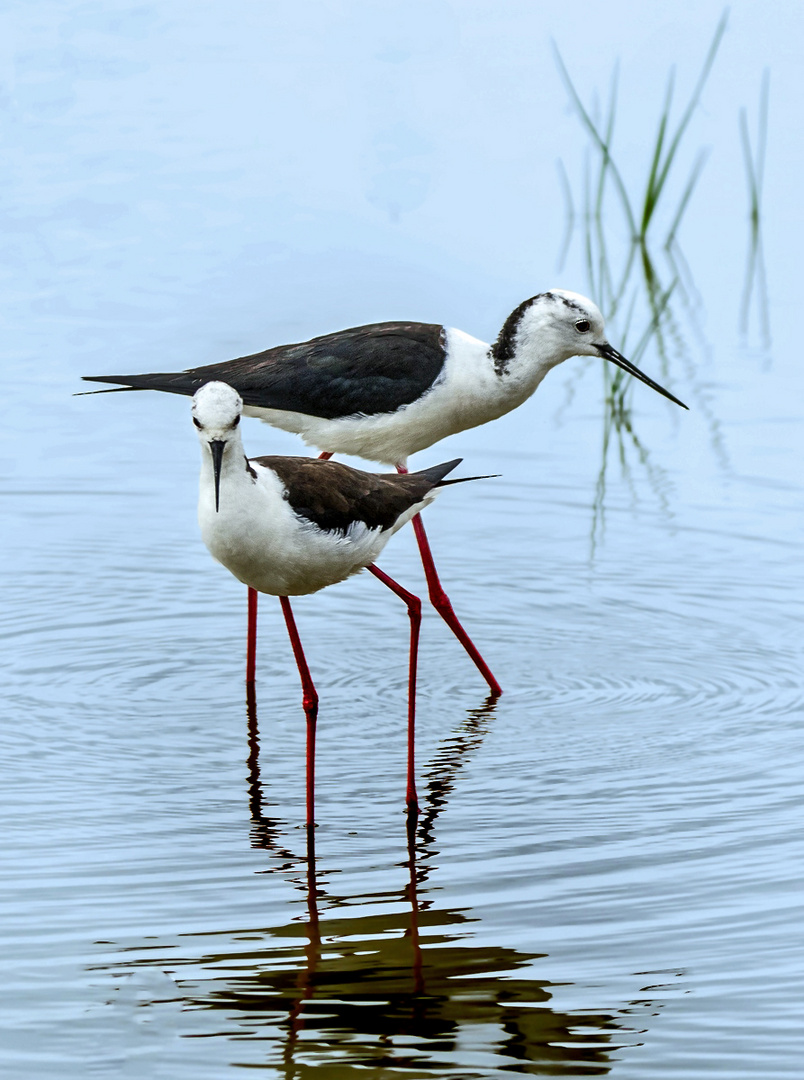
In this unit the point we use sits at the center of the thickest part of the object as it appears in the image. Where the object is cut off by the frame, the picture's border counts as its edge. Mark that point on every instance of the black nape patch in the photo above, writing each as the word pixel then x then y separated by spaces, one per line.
pixel 503 349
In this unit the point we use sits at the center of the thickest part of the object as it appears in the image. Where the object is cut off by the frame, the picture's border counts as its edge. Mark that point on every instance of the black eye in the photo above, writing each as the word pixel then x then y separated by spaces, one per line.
pixel 236 421
pixel 583 326
pixel 197 423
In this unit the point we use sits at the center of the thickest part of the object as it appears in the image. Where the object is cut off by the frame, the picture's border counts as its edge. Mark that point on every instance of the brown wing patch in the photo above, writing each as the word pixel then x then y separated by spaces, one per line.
pixel 334 496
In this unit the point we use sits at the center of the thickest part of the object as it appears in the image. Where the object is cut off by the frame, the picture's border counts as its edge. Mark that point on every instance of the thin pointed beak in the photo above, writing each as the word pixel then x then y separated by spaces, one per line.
pixel 216 448
pixel 608 353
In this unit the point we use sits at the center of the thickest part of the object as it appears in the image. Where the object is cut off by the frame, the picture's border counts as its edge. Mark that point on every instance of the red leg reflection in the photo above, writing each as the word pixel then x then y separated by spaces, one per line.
pixel 309 701
pixel 415 612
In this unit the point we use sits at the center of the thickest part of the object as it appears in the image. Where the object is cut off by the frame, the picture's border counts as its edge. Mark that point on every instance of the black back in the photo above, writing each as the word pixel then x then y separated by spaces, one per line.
pixel 367 369
pixel 334 496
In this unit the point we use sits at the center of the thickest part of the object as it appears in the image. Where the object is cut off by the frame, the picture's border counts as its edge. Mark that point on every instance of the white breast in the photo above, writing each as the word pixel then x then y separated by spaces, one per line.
pixel 257 536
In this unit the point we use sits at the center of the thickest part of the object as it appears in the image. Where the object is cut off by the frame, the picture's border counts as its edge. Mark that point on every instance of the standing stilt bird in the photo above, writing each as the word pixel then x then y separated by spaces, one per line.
pixel 291 526
pixel 385 391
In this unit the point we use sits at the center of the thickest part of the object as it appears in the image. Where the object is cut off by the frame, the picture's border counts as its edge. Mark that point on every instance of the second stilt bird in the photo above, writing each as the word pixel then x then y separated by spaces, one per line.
pixel 291 526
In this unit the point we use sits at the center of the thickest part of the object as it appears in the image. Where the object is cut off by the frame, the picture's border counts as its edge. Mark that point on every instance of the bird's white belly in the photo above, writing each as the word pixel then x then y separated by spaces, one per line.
pixel 387 439
pixel 467 395
pixel 282 558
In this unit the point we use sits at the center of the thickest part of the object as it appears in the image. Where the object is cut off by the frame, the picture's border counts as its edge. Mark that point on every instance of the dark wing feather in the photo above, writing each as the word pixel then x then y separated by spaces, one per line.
pixel 367 369
pixel 334 496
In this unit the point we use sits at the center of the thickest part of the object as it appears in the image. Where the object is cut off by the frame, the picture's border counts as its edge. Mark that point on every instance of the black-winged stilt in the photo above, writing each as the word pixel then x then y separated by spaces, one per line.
pixel 385 391
pixel 289 526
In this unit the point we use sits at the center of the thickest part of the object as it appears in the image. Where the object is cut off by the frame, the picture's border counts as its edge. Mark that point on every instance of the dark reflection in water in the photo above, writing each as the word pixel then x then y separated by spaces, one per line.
pixel 387 979
pixel 401 990
pixel 265 830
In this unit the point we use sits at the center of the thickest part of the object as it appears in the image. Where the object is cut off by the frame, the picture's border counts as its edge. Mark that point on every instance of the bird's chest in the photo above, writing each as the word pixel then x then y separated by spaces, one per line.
pixel 268 547
pixel 472 397
pixel 247 533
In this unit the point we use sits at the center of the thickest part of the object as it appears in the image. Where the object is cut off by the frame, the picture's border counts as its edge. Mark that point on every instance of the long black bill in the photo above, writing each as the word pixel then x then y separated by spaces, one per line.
pixel 608 353
pixel 216 448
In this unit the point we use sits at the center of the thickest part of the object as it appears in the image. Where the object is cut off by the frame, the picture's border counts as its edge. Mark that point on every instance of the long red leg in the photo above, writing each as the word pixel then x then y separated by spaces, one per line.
pixel 251 642
pixel 309 702
pixel 441 602
pixel 415 612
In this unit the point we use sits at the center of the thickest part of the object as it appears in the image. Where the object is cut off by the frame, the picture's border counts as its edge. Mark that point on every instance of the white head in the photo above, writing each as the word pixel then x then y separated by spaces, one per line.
pixel 216 410
pixel 216 415
pixel 553 326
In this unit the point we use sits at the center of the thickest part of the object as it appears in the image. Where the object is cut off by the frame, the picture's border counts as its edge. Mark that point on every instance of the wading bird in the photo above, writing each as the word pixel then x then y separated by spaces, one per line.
pixel 385 391
pixel 289 526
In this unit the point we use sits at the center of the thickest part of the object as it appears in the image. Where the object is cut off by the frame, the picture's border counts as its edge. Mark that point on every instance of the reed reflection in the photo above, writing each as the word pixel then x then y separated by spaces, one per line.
pixel 639 276
pixel 388 979
pixel 756 285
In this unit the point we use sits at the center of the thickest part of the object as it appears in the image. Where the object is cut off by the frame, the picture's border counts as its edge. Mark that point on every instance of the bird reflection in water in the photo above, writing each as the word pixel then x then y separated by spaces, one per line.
pixel 404 986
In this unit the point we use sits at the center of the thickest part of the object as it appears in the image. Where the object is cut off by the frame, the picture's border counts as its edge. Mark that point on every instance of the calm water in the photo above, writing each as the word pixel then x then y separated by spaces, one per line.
pixel 606 874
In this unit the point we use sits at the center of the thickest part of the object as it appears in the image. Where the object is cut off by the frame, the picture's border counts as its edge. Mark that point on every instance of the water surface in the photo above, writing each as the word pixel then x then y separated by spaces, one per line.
pixel 605 875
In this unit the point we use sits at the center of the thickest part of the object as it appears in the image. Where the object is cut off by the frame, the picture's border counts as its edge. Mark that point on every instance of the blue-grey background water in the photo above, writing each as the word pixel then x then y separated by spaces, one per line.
pixel 607 872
